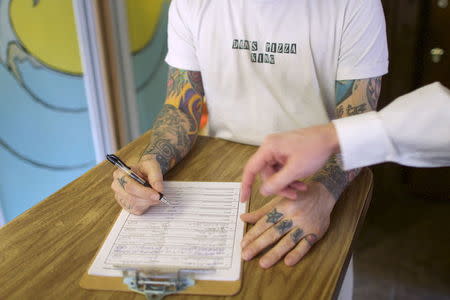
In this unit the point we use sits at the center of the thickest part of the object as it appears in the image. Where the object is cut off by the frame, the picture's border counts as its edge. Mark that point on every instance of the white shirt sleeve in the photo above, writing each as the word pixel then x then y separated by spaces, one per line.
pixel 180 41
pixel 363 50
pixel 413 130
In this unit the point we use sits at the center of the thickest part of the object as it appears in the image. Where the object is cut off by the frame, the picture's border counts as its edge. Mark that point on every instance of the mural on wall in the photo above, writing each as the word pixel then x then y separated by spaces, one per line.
pixel 45 135
pixel 147 27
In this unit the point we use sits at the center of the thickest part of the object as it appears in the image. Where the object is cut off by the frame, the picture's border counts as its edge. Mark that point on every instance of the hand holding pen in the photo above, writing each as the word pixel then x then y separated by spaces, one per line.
pixel 132 191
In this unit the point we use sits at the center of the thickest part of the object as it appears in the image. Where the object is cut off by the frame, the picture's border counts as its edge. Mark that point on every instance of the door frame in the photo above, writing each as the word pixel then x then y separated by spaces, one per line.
pixel 2 217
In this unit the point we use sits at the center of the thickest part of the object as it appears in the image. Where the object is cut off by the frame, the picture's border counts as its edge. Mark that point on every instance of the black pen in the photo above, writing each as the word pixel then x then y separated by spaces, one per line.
pixel 115 160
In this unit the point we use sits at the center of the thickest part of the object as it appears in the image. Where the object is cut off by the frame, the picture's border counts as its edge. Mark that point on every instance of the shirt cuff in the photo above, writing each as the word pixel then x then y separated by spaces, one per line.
pixel 363 141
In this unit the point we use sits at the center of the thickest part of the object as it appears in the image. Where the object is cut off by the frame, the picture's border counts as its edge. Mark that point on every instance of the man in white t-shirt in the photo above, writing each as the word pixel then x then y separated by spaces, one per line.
pixel 265 66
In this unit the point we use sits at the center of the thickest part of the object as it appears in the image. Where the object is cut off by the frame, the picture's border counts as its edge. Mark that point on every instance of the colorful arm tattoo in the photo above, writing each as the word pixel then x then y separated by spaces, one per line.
pixel 176 126
pixel 352 97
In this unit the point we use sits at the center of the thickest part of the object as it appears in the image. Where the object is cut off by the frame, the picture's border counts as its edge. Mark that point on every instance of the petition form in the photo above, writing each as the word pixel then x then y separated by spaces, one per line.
pixel 200 229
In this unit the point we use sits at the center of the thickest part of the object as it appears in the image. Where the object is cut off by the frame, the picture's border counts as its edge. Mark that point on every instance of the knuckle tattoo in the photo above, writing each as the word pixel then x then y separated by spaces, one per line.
pixel 129 205
pixel 122 181
pixel 297 235
pixel 283 226
pixel 274 216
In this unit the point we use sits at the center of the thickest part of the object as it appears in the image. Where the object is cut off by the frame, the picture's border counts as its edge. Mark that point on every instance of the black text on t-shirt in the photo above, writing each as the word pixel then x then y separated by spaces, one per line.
pixel 271 48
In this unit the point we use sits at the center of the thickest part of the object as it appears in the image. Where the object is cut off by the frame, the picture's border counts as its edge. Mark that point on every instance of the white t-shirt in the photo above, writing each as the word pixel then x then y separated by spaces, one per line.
pixel 271 65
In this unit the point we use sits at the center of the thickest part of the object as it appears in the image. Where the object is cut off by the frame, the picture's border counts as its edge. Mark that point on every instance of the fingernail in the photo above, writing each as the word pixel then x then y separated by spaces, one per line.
pixel 245 256
pixel 263 263
pixel 288 262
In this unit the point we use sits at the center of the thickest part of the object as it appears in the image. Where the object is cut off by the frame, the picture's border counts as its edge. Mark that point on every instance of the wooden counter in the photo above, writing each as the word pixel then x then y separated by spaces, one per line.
pixel 44 251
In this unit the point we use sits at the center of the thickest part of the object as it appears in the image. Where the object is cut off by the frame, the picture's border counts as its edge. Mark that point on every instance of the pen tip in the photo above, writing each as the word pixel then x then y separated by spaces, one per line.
pixel 164 200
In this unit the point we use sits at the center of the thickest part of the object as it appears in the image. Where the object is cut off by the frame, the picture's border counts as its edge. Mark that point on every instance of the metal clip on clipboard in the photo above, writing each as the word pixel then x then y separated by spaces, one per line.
pixel 155 284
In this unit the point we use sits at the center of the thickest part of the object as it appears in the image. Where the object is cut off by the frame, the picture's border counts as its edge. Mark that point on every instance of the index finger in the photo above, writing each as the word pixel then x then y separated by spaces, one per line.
pixel 134 188
pixel 255 164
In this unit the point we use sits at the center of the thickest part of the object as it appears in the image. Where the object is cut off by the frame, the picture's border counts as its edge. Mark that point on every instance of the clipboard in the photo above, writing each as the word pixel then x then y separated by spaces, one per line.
pixel 198 287
pixel 157 282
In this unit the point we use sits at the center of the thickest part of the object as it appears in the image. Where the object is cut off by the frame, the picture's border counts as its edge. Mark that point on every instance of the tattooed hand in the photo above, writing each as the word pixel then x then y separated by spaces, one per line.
pixel 286 157
pixel 174 132
pixel 131 195
pixel 293 226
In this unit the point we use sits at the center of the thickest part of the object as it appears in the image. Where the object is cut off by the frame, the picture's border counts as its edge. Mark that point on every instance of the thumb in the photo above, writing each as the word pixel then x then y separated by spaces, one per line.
pixel 254 216
pixel 255 164
pixel 251 217
pixel 152 171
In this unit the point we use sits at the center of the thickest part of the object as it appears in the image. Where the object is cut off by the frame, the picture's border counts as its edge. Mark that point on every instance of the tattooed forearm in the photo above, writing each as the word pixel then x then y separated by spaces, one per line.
pixel 334 178
pixel 344 89
pixel 357 109
pixel 185 92
pixel 176 126
pixel 373 91
pixel 283 226
pixel 170 138
pixel 274 216
pixel 165 153
pixel 352 97
pixel 195 78
pixel 176 81
pixel 350 110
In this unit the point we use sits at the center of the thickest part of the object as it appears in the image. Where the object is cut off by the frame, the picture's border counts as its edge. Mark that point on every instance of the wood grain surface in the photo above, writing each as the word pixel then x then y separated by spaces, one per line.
pixel 45 251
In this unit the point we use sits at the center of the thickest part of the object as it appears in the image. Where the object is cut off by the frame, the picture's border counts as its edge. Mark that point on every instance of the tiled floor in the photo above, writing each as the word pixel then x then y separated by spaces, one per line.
pixel 403 251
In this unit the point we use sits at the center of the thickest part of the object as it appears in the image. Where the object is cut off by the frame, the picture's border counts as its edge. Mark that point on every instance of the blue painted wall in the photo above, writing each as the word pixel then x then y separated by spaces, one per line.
pixel 150 73
pixel 45 136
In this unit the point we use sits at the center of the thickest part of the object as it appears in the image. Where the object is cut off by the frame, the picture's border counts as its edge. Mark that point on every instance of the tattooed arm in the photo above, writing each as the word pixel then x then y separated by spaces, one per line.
pixel 174 132
pixel 352 97
pixel 176 126
pixel 292 227
pixel 297 154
